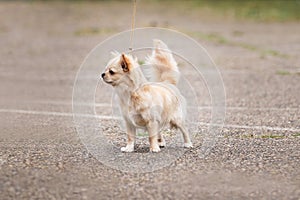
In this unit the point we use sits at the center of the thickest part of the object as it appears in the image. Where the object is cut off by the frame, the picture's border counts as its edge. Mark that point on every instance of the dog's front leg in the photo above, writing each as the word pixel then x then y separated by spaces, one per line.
pixel 153 136
pixel 131 132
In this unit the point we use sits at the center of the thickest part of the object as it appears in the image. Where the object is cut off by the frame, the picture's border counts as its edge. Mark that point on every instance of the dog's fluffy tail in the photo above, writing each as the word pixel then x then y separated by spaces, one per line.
pixel 163 65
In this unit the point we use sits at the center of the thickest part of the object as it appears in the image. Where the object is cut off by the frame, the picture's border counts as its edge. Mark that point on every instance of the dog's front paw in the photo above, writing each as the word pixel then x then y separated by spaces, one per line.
pixel 188 145
pixel 155 149
pixel 128 148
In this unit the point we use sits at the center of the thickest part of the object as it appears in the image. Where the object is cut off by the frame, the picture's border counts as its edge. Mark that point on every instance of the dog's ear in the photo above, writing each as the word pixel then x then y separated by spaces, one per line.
pixel 124 63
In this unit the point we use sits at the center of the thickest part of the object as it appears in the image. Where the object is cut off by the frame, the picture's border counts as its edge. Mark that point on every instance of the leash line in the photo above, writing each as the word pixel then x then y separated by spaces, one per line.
pixel 132 25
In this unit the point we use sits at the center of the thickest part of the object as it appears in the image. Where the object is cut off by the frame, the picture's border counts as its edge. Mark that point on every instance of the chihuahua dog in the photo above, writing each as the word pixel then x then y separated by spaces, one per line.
pixel 153 104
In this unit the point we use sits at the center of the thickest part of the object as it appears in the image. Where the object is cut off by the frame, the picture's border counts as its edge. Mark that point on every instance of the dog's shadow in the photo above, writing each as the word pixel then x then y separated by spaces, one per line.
pixel 141 149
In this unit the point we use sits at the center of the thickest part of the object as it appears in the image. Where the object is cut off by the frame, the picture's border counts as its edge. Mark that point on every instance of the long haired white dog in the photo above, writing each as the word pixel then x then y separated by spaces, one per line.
pixel 150 105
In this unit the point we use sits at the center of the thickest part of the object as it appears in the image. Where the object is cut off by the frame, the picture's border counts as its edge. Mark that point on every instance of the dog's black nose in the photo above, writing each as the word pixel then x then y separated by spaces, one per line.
pixel 103 74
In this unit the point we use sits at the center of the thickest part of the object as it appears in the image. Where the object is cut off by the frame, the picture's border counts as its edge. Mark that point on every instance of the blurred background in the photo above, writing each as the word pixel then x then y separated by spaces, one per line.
pixel 254 43
pixel 33 32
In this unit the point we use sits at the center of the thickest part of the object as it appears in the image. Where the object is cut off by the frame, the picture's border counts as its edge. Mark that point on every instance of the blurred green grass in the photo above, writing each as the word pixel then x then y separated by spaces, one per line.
pixel 219 39
pixel 257 10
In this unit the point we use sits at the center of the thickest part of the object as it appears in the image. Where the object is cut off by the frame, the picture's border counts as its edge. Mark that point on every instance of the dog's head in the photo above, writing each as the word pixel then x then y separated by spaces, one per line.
pixel 118 69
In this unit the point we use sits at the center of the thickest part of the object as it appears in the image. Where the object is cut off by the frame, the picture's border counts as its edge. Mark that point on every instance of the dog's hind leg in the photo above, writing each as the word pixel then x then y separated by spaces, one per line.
pixel 131 132
pixel 186 137
pixel 185 134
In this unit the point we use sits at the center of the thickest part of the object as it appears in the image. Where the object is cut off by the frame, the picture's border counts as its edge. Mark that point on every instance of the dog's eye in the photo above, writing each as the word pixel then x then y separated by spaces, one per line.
pixel 111 72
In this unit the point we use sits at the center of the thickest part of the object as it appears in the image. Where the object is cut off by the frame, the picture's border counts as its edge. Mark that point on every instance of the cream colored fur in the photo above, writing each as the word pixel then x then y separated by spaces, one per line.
pixel 150 105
